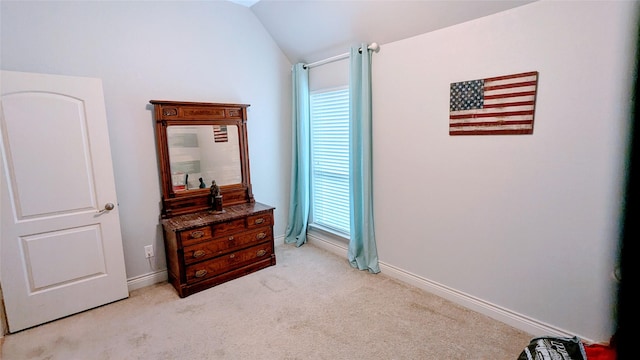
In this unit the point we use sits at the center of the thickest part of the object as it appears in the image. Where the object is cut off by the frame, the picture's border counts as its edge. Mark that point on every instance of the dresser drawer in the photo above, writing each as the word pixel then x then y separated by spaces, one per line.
pixel 259 220
pixel 229 227
pixel 195 235
pixel 217 246
pixel 219 265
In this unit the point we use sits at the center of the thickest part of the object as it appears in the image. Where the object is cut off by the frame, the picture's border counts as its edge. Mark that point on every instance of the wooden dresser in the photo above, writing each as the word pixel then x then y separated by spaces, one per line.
pixel 205 249
pixel 214 230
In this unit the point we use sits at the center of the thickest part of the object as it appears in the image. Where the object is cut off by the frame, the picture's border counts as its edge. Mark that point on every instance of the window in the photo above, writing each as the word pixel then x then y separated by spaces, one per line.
pixel 330 160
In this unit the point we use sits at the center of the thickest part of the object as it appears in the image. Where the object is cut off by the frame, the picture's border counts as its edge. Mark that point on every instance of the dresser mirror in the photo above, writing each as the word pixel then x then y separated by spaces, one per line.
pixel 199 154
pixel 199 143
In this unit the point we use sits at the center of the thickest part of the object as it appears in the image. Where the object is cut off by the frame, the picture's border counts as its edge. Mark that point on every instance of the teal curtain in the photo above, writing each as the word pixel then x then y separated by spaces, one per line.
pixel 363 253
pixel 299 196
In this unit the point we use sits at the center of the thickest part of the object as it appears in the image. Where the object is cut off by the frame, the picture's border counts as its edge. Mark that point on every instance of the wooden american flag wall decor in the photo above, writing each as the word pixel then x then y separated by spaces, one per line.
pixel 502 105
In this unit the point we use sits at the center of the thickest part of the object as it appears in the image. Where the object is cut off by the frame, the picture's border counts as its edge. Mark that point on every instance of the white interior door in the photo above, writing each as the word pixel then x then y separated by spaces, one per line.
pixel 60 246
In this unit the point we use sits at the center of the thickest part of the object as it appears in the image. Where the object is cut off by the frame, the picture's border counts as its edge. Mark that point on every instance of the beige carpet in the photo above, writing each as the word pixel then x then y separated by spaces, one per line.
pixel 311 305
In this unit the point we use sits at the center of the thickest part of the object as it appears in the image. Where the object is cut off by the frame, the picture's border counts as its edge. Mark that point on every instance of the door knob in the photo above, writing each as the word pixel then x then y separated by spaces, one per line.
pixel 107 207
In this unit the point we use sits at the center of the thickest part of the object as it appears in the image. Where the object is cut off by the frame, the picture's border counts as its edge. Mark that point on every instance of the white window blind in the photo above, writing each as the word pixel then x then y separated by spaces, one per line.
pixel 330 159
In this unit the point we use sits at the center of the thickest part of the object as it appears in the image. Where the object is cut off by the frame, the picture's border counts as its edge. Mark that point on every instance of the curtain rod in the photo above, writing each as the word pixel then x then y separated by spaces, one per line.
pixel 374 46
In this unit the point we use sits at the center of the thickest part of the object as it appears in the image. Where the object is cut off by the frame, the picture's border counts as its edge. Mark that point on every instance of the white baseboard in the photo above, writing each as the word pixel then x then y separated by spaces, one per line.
pixel 511 318
pixel 278 240
pixel 149 279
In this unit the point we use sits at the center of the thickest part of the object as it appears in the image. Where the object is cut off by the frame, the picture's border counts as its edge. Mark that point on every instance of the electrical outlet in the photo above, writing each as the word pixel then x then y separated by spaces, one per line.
pixel 148 251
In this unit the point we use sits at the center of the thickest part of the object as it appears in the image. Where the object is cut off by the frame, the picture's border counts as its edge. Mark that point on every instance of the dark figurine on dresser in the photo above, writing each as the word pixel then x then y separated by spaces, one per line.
pixel 215 197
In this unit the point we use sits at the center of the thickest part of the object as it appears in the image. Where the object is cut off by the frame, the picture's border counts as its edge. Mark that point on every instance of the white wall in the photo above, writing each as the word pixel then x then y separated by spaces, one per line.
pixel 328 76
pixel 193 51
pixel 524 223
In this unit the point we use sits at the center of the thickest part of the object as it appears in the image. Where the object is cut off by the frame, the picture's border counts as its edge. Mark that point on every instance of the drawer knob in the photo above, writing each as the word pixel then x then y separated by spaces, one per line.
pixel 199 253
pixel 261 252
pixel 197 234
pixel 231 238
pixel 201 273
pixel 261 236
pixel 232 256
pixel 259 221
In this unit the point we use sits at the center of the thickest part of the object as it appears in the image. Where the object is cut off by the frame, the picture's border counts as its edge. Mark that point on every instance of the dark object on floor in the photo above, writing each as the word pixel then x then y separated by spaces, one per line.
pixel 554 348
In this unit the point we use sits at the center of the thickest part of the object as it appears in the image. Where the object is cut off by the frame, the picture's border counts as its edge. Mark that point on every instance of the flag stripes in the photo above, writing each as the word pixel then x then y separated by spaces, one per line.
pixel 220 133
pixel 498 105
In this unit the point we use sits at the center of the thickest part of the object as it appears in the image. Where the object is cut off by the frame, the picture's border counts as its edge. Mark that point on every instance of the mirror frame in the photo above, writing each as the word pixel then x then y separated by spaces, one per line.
pixel 168 113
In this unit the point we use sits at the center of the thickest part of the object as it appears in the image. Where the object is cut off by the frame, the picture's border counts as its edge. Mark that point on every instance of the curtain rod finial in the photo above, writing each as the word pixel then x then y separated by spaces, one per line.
pixel 374 46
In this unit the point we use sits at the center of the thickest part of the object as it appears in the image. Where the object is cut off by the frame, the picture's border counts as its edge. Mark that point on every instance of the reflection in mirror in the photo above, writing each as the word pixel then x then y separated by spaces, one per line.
pixel 199 154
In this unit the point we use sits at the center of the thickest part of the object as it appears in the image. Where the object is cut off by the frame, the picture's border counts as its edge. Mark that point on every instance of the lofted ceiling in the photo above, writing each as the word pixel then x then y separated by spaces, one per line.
pixel 311 30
